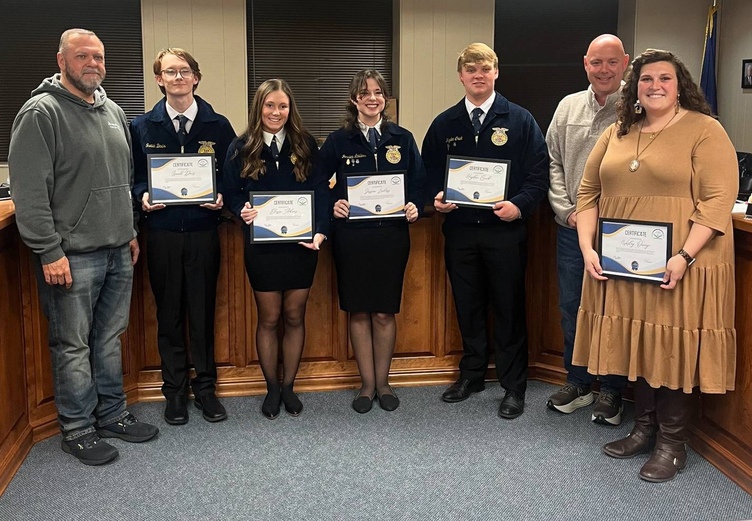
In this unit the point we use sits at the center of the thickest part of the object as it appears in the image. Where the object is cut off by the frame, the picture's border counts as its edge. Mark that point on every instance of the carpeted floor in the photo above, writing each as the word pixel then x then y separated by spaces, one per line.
pixel 426 460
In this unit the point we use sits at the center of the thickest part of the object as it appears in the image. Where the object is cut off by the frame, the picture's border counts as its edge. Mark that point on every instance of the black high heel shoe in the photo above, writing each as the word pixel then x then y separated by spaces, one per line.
pixel 293 405
pixel 270 407
pixel 363 403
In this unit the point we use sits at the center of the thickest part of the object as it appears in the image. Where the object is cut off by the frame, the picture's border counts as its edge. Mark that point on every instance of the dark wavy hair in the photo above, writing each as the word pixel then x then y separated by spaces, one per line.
pixel 253 137
pixel 357 85
pixel 690 95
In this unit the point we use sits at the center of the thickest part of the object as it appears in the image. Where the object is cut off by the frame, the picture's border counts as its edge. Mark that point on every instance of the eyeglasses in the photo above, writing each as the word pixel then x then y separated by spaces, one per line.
pixel 172 73
pixel 364 94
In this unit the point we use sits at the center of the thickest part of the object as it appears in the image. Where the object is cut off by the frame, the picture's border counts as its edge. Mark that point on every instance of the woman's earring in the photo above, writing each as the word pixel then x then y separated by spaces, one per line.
pixel 637 107
pixel 678 105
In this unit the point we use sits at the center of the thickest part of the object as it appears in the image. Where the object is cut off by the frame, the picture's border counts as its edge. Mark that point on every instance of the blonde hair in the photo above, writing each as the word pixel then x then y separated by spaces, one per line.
pixel 477 53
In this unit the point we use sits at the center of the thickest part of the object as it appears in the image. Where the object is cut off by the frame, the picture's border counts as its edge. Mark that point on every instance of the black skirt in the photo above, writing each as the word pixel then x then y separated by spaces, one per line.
pixel 279 267
pixel 370 264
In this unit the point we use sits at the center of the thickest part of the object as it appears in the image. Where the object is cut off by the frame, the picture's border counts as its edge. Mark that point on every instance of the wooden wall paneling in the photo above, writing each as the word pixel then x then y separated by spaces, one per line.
pixel 545 337
pixel 39 386
pixel 12 365
pixel 15 430
pixel 723 429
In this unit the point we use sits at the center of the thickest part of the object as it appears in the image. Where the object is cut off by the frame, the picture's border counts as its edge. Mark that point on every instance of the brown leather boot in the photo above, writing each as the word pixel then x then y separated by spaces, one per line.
pixel 642 437
pixel 673 411
pixel 666 461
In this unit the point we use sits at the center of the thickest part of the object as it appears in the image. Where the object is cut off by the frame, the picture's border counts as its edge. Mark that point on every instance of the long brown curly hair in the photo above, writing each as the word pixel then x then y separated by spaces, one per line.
pixel 358 84
pixel 253 137
pixel 690 95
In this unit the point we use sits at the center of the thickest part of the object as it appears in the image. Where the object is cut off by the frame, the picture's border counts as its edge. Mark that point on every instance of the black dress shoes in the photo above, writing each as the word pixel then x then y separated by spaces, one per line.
pixel 270 407
pixel 512 405
pixel 461 390
pixel 293 405
pixel 388 401
pixel 176 410
pixel 212 410
pixel 363 403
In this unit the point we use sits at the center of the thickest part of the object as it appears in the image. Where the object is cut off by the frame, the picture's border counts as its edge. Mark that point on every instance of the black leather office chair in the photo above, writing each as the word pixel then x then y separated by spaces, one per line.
pixel 745 175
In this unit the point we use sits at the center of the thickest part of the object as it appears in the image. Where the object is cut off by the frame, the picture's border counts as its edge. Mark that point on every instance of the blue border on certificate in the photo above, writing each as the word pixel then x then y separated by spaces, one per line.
pixel 160 196
pixel 451 195
pixel 608 227
pixel 262 235
pixel 359 213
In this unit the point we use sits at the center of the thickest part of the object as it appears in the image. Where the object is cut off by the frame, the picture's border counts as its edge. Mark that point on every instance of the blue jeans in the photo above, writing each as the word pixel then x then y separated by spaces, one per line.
pixel 85 324
pixel 571 269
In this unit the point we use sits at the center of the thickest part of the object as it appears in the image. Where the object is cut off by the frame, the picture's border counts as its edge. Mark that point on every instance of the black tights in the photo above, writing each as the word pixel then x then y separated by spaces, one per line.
pixel 373 336
pixel 290 306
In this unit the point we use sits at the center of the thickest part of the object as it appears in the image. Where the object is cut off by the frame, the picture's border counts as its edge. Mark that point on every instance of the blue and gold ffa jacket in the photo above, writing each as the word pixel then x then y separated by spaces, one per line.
pixel 347 151
pixel 154 133
pixel 508 132
pixel 276 179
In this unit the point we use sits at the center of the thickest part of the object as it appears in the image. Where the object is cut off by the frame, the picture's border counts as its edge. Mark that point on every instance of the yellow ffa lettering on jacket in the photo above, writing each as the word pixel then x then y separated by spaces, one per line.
pixel 293 158
pixel 393 154
pixel 155 145
pixel 499 136
pixel 207 147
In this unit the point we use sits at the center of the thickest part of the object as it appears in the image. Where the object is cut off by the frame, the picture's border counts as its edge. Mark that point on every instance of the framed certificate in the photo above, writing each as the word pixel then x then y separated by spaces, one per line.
pixel 282 216
pixel 635 250
pixel 378 195
pixel 475 182
pixel 181 178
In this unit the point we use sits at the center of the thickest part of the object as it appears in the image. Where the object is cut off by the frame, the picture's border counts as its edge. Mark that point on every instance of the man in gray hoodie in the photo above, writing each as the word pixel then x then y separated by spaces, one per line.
pixel 71 175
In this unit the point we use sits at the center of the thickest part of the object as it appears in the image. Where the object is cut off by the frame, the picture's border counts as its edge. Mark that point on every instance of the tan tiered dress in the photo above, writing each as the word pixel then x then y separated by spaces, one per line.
pixel 680 338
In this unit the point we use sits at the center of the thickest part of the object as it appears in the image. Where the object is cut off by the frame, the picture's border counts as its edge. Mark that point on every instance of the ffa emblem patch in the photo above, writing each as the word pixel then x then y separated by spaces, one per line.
pixel 207 147
pixel 499 136
pixel 293 158
pixel 393 154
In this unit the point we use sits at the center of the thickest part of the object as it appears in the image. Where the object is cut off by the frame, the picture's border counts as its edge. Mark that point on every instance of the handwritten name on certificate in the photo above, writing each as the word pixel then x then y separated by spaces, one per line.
pixel 637 250
pixel 475 182
pixel 282 216
pixel 181 178
pixel 376 196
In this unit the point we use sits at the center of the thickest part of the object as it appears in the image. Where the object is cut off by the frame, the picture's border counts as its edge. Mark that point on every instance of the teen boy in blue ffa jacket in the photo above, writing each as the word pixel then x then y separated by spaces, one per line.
pixel 486 249
pixel 183 243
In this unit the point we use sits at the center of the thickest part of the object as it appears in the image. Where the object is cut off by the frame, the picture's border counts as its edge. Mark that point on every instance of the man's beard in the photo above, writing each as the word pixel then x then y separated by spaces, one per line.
pixel 87 83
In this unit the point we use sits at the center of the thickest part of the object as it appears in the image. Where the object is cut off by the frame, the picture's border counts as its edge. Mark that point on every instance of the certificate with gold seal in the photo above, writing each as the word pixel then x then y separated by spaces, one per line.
pixel 282 216
pixel 181 178
pixel 635 250
pixel 476 182
pixel 378 195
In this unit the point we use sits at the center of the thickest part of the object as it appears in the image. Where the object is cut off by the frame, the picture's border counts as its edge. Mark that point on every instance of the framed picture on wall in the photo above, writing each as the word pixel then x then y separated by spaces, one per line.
pixel 747 74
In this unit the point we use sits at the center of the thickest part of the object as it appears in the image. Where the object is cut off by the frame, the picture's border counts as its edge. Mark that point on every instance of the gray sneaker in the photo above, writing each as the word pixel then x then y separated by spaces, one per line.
pixel 608 409
pixel 129 429
pixel 570 398
pixel 90 449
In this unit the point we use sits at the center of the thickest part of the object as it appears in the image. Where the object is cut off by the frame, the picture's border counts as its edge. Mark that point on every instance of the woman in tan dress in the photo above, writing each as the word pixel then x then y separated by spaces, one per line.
pixel 665 160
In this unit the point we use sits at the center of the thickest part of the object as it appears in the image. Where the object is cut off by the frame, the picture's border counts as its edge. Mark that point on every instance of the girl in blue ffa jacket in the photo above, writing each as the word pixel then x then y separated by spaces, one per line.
pixel 275 153
pixel 370 255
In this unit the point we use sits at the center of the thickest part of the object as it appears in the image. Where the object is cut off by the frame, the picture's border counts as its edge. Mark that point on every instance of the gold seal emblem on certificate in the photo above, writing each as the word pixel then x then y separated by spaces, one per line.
pixel 293 158
pixel 393 154
pixel 207 147
pixel 499 136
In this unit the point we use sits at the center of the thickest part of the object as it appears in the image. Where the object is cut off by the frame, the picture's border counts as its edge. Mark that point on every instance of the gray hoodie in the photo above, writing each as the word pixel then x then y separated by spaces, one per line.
pixel 71 173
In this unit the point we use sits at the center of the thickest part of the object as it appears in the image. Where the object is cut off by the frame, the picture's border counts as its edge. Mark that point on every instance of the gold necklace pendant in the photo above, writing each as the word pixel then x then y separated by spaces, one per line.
pixel 635 163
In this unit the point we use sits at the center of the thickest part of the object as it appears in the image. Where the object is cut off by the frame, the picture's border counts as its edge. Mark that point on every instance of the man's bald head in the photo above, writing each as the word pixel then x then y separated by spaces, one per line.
pixel 605 63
